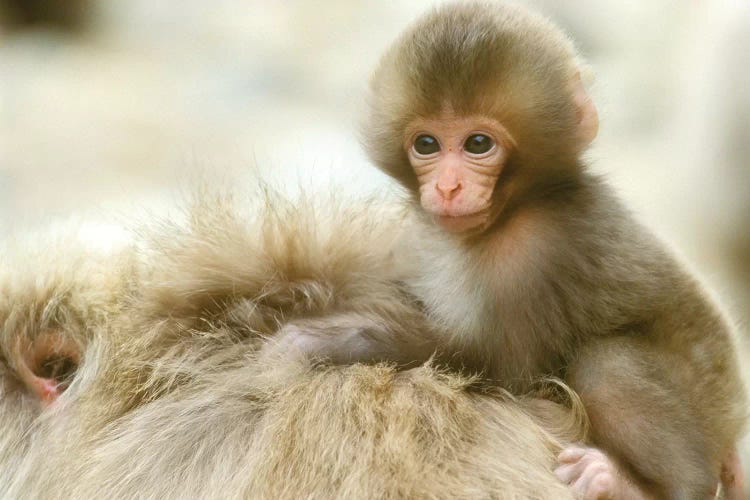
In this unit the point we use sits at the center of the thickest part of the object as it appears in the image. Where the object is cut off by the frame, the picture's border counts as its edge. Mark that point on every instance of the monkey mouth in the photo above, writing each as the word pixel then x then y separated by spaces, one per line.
pixel 461 223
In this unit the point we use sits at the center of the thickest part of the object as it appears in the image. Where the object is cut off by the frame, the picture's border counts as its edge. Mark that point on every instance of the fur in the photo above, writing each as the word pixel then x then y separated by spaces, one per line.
pixel 176 396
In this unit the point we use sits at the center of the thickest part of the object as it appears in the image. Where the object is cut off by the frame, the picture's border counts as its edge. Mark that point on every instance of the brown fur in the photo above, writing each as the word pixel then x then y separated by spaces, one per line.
pixel 563 281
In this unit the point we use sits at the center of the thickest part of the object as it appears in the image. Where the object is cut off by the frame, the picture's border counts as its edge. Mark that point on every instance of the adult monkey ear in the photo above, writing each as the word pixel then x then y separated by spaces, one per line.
pixel 588 117
pixel 46 364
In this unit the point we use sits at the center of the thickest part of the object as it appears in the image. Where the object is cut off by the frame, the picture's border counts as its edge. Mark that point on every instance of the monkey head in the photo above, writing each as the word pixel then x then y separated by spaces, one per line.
pixel 477 107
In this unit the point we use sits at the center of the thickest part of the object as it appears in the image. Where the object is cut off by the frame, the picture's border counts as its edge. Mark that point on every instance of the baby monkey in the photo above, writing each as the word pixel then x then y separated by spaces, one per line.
pixel 532 266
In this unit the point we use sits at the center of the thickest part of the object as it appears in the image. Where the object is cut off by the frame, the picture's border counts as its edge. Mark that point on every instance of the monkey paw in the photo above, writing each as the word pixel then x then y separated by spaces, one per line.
pixel 593 476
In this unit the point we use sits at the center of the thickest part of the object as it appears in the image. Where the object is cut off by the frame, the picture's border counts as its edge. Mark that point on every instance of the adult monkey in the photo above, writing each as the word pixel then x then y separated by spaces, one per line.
pixel 532 266
pixel 172 398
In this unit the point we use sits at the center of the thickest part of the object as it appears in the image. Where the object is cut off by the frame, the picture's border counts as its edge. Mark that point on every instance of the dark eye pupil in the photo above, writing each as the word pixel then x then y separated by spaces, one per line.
pixel 478 144
pixel 426 145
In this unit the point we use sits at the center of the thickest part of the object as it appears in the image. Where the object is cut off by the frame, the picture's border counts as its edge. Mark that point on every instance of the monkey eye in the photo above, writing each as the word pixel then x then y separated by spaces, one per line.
pixel 478 144
pixel 426 145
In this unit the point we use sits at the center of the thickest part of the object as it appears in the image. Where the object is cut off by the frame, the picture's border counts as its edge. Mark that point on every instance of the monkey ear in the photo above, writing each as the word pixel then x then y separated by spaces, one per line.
pixel 588 118
pixel 46 364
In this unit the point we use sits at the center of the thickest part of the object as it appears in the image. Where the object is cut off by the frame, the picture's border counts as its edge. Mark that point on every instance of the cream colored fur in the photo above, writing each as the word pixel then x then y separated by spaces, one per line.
pixel 173 399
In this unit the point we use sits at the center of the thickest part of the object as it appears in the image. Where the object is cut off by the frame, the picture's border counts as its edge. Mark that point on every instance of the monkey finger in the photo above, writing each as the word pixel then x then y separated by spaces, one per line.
pixel 569 473
pixel 596 483
pixel 571 454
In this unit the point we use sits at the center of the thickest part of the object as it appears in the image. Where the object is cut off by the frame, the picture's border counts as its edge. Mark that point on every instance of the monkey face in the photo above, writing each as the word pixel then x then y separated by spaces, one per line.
pixel 457 161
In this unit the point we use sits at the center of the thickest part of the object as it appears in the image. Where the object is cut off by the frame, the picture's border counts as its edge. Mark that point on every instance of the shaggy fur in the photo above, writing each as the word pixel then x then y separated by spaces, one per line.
pixel 58 281
pixel 176 396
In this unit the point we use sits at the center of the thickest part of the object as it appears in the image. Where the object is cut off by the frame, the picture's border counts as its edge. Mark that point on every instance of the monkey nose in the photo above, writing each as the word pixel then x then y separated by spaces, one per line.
pixel 448 192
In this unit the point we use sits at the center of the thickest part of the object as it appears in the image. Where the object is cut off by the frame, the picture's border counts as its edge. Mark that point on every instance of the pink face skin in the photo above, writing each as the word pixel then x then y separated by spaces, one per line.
pixel 457 161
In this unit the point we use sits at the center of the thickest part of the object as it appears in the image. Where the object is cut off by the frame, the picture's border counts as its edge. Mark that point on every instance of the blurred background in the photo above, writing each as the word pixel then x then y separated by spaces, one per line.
pixel 112 104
